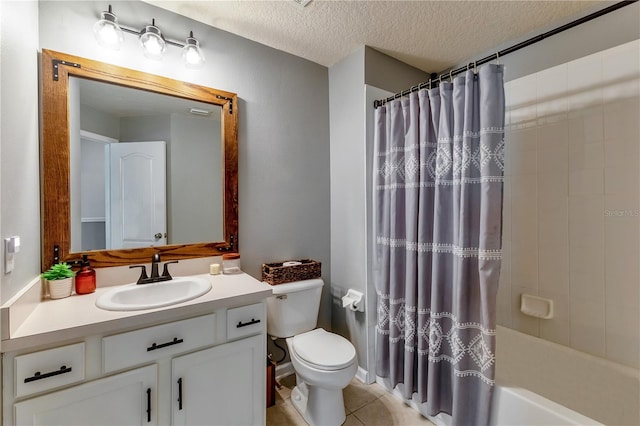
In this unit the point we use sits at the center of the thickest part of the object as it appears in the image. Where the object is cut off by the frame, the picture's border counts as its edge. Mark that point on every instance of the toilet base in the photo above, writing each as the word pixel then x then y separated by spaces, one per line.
pixel 318 406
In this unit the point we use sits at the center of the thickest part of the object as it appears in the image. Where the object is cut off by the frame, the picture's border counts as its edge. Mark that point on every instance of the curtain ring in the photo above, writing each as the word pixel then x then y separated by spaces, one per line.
pixel 497 58
pixel 429 84
pixel 451 76
pixel 475 67
pixel 440 79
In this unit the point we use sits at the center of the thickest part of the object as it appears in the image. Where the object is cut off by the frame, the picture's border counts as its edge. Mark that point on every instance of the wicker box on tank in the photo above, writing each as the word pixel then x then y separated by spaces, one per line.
pixel 277 273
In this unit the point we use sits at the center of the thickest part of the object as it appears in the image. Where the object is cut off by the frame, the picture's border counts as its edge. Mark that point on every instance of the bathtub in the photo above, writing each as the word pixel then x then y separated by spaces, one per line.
pixel 513 406
pixel 518 406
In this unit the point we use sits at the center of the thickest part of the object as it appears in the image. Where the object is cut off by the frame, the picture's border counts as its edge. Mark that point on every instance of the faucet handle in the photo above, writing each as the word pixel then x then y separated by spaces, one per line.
pixel 143 272
pixel 165 271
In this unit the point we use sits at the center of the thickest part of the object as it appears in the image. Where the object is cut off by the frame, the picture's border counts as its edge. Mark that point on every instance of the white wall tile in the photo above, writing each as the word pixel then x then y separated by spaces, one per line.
pixel 552 187
pixel 621 120
pixel 586 125
pixel 586 247
pixel 622 251
pixel 588 325
pixel 523 148
pixel 621 180
pixel 574 203
pixel 621 153
pixel 523 102
pixel 621 71
pixel 556 329
pixel 552 100
pixel 586 156
pixel 553 147
pixel 584 78
pixel 622 324
pixel 586 182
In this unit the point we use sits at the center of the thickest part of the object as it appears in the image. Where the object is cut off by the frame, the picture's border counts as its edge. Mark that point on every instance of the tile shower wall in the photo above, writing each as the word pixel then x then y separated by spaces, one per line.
pixel 571 205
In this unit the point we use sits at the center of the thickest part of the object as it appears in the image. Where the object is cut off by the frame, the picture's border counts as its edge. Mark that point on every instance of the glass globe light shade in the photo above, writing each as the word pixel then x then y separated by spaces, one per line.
pixel 192 54
pixel 107 31
pixel 152 42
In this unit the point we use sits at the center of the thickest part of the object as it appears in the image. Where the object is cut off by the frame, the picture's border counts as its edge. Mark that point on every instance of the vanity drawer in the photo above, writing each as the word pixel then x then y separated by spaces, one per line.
pixel 245 321
pixel 149 344
pixel 44 370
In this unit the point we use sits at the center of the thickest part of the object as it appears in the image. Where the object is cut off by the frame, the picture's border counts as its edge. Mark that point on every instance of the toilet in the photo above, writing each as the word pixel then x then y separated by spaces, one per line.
pixel 324 362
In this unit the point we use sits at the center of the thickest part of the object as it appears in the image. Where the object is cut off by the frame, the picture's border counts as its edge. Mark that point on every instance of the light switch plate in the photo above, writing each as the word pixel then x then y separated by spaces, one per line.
pixel 11 247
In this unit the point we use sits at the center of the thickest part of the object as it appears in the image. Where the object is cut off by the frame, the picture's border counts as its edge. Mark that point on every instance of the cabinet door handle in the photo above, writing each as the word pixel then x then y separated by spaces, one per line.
pixel 148 405
pixel 39 376
pixel 244 324
pixel 180 393
pixel 155 346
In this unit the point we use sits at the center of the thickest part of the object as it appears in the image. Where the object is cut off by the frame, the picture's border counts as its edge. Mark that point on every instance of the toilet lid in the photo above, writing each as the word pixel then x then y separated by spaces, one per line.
pixel 324 350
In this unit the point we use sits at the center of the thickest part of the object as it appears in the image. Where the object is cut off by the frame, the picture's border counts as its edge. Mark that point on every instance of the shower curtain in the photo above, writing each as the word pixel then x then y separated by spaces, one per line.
pixel 439 161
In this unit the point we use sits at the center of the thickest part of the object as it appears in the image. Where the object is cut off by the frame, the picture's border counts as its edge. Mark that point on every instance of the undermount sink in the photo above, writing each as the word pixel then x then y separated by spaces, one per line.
pixel 134 297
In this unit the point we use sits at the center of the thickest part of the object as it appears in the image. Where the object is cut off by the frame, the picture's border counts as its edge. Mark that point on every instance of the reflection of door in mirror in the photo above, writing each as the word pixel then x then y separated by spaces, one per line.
pixel 123 193
pixel 106 114
pixel 136 195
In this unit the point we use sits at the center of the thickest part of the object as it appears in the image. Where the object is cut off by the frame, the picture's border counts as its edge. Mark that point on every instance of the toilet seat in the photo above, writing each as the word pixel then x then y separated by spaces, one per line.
pixel 324 350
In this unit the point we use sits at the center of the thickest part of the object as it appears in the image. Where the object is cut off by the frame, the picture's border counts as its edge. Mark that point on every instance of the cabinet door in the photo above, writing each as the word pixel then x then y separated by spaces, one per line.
pixel 124 399
pixel 223 385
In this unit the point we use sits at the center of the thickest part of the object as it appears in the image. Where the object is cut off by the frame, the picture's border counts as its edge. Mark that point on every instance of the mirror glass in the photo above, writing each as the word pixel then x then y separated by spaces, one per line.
pixel 134 164
pixel 137 163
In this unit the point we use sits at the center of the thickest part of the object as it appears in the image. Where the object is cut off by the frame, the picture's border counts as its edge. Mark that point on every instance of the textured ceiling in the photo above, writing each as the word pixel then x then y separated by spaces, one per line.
pixel 430 35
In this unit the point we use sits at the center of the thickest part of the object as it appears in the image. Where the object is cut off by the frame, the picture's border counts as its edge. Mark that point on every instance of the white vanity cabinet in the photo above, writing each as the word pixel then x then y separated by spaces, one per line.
pixel 223 385
pixel 125 399
pixel 205 370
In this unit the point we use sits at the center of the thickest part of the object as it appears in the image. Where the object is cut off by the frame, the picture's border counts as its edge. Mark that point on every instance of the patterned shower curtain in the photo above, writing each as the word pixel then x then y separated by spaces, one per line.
pixel 439 161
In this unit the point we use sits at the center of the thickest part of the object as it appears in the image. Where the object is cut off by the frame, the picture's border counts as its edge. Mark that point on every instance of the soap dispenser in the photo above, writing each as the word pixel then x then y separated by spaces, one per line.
pixel 86 278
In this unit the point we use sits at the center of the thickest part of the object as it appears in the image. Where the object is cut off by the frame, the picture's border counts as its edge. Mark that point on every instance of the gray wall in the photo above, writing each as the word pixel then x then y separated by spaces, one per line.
pixel 195 210
pixel 284 197
pixel 19 148
pixel 348 106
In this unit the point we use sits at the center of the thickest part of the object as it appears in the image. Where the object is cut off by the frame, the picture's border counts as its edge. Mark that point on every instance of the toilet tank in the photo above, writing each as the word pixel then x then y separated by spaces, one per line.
pixel 293 308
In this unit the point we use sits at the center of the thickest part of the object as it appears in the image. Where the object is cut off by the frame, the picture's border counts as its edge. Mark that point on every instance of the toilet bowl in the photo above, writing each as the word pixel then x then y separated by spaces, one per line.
pixel 325 363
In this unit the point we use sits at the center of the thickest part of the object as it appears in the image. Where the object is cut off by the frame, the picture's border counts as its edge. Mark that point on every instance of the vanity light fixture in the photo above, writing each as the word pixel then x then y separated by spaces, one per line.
pixel 191 53
pixel 152 41
pixel 109 34
pixel 107 31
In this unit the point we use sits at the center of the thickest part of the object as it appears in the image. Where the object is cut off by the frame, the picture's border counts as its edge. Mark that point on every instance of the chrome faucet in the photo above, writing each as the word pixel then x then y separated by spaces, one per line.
pixel 155 277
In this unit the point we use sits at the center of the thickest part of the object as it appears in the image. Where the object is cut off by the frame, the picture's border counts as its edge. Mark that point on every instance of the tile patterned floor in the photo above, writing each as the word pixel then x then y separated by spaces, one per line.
pixel 368 405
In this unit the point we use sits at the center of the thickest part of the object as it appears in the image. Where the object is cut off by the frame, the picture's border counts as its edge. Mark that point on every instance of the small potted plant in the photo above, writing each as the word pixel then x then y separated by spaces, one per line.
pixel 60 280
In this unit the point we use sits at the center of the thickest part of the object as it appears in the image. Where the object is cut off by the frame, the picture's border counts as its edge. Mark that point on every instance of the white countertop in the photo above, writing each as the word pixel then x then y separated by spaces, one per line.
pixel 74 317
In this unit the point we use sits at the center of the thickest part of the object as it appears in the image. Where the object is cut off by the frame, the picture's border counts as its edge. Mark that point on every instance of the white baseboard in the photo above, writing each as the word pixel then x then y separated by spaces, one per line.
pixel 283 370
pixel 362 375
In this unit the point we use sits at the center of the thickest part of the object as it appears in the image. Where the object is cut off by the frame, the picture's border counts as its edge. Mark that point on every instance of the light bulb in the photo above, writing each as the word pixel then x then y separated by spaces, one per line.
pixel 152 41
pixel 107 31
pixel 191 53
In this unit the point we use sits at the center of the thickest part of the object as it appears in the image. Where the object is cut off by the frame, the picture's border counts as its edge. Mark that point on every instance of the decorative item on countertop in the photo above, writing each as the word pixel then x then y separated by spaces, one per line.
pixel 59 280
pixel 86 278
pixel 214 269
pixel 231 263
pixel 293 270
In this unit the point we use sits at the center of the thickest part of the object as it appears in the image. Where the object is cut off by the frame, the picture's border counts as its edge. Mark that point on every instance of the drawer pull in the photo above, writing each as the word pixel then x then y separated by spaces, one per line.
pixel 148 405
pixel 180 393
pixel 38 376
pixel 154 346
pixel 253 321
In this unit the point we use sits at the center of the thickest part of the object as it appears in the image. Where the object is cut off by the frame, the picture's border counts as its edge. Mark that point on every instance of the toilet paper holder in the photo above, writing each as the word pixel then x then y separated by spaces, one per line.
pixel 353 300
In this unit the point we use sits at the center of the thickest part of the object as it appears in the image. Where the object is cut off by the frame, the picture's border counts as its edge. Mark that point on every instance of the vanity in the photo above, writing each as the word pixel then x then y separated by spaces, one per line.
pixel 198 362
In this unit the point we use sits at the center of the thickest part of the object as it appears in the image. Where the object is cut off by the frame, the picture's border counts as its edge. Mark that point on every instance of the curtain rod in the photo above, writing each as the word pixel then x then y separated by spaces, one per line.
pixel 437 77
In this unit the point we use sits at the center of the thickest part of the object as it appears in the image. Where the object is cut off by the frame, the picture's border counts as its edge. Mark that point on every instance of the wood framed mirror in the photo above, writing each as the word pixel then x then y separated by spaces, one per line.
pixel 59 196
